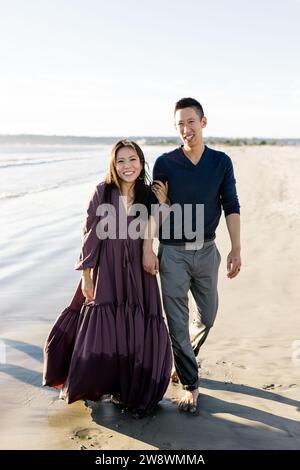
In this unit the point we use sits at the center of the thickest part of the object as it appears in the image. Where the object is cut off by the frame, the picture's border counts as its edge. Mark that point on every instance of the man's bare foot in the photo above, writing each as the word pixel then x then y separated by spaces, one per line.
pixel 174 377
pixel 189 401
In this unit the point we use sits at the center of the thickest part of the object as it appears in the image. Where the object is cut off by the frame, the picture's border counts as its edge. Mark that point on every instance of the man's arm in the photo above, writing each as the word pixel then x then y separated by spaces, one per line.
pixel 234 258
pixel 231 206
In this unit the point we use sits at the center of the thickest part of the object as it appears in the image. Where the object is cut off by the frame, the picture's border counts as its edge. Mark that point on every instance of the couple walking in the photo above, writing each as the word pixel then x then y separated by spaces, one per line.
pixel 112 338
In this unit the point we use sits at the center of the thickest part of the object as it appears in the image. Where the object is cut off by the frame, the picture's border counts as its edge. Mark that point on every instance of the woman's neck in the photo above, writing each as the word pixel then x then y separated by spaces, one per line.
pixel 127 189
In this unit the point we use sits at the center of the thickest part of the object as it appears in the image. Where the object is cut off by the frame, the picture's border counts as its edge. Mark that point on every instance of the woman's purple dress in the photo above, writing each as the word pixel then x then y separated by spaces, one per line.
pixel 119 343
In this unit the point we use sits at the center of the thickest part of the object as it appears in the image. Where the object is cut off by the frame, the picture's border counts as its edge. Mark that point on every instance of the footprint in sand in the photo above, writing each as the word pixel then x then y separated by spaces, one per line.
pixel 271 386
pixel 231 364
pixel 288 388
pixel 90 438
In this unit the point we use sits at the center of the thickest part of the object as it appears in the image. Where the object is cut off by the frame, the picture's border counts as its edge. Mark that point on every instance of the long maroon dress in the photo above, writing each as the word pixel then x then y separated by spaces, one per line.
pixel 117 344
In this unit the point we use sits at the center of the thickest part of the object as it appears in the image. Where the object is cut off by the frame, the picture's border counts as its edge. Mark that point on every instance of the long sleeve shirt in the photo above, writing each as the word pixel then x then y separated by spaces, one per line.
pixel 210 183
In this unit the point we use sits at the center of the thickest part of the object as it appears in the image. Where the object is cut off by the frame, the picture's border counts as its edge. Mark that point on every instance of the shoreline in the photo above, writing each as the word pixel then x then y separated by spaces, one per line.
pixel 249 395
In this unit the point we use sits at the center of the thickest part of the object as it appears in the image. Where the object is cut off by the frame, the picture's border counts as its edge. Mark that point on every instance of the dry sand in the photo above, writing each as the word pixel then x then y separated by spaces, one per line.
pixel 250 364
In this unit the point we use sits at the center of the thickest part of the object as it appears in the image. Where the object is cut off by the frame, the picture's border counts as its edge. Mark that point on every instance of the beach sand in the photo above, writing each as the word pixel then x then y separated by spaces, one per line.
pixel 250 363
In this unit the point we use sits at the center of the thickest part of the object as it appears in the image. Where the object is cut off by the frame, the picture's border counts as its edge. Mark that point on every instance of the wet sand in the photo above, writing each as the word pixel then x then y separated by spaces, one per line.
pixel 250 363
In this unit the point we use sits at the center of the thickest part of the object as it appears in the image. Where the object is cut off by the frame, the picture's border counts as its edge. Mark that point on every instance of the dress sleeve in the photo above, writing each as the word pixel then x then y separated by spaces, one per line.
pixel 90 241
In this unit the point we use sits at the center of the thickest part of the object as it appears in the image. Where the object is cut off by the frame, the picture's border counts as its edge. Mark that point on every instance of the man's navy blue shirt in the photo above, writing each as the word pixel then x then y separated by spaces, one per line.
pixel 210 182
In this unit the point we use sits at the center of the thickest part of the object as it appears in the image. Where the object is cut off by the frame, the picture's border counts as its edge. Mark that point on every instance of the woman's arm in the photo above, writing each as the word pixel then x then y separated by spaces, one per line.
pixel 87 285
pixel 90 244
pixel 90 241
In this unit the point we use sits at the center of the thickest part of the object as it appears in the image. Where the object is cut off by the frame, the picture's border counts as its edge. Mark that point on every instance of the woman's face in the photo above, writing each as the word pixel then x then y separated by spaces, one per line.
pixel 128 164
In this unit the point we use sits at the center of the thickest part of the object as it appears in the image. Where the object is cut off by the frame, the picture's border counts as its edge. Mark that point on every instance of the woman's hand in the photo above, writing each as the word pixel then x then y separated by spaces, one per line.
pixel 161 191
pixel 87 285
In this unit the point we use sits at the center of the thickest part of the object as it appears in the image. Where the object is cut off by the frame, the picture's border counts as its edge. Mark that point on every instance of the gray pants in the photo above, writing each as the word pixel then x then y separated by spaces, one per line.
pixel 182 270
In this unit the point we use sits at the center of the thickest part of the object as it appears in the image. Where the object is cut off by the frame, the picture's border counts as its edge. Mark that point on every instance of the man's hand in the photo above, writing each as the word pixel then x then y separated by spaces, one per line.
pixel 234 263
pixel 150 262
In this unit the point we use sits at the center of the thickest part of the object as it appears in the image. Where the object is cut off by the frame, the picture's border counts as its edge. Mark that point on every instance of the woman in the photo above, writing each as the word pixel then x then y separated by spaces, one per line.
pixel 112 339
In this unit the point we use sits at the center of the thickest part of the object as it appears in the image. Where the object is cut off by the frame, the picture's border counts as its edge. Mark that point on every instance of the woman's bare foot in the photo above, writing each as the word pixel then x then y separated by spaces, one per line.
pixel 174 377
pixel 189 401
pixel 116 399
pixel 62 395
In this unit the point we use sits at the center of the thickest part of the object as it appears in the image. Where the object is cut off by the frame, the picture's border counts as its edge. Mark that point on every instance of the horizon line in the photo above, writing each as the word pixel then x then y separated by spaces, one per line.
pixel 162 136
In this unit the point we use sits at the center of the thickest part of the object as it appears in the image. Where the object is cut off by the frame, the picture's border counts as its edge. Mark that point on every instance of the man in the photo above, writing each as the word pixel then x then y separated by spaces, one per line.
pixel 196 175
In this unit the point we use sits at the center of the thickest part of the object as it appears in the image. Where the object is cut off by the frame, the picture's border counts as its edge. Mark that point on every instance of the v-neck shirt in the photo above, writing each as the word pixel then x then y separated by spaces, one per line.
pixel 210 182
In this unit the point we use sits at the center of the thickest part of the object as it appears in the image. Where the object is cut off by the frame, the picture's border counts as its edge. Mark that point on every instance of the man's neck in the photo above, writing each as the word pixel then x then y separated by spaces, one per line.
pixel 194 153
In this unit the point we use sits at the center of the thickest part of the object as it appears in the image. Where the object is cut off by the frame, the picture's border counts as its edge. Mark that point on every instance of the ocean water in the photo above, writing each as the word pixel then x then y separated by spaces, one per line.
pixel 34 169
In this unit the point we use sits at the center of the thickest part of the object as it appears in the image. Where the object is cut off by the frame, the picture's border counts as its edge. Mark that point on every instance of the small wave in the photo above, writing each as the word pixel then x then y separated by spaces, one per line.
pixel 11 195
pixel 19 163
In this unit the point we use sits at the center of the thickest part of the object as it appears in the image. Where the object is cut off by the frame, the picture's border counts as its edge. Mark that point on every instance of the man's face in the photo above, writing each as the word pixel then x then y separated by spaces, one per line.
pixel 189 126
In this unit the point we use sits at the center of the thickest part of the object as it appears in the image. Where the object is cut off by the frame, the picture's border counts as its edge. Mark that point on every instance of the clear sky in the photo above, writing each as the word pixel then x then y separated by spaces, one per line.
pixel 116 67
